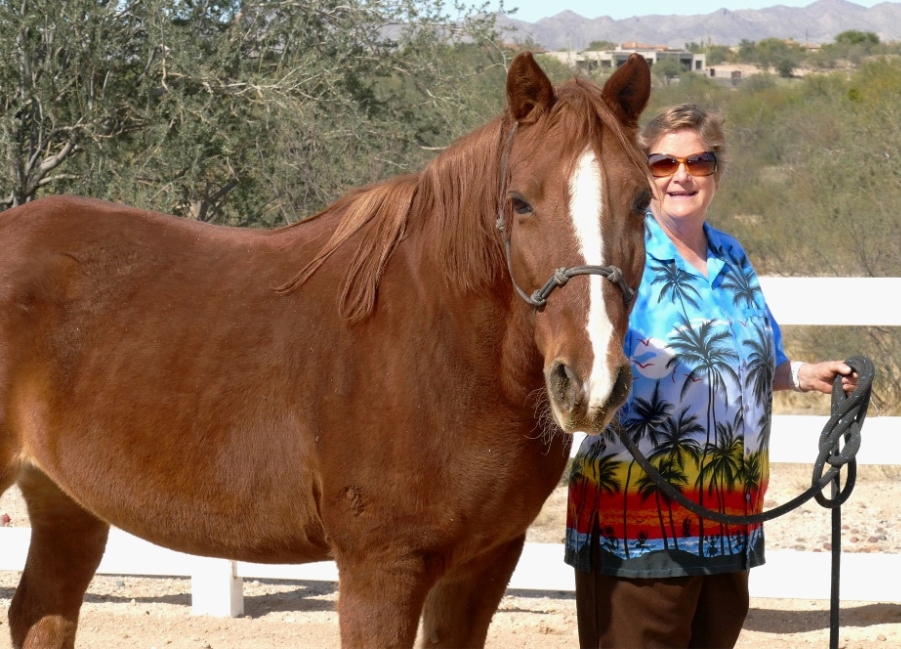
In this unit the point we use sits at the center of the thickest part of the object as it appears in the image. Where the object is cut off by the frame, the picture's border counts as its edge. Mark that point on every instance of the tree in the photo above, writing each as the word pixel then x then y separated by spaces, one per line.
pixel 856 37
pixel 65 68
pixel 781 55
pixel 668 68
pixel 235 112
pixel 601 46
pixel 715 53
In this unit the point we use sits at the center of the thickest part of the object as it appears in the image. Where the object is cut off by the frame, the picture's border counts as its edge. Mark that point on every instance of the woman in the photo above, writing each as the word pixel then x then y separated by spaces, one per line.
pixel 706 357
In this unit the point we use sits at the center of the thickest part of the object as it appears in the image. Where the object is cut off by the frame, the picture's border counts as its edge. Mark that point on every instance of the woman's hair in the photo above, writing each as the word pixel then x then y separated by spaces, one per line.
pixel 708 126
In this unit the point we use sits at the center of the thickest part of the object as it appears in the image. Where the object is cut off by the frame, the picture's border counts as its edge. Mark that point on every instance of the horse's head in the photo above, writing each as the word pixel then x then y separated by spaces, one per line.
pixel 575 191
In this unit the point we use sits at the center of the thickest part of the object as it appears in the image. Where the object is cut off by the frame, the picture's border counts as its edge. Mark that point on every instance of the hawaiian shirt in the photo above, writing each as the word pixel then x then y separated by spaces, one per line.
pixel 703 352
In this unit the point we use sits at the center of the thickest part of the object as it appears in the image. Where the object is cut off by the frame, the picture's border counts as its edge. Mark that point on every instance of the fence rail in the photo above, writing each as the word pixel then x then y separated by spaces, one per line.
pixel 216 584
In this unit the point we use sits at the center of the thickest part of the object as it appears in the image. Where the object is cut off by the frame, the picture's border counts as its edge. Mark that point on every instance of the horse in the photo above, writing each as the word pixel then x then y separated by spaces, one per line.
pixel 374 384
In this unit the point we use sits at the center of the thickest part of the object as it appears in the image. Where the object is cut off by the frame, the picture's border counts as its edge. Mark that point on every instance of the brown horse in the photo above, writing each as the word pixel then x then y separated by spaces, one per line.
pixel 368 385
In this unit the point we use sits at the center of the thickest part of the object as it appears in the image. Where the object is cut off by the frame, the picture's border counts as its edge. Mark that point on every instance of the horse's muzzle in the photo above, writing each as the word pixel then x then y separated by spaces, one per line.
pixel 570 399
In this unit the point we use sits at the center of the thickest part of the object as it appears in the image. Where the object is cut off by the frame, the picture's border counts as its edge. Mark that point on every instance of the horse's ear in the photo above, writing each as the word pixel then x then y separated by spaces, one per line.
pixel 529 92
pixel 628 90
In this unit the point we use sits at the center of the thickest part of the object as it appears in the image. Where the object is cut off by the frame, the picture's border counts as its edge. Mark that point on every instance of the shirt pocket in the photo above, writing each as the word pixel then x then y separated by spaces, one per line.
pixel 757 326
pixel 758 315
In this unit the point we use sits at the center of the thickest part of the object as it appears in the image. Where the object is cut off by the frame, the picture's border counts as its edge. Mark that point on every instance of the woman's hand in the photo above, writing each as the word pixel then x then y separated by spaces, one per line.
pixel 819 376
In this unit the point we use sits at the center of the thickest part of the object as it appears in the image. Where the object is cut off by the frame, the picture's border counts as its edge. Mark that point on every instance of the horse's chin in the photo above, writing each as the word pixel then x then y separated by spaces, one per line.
pixel 590 425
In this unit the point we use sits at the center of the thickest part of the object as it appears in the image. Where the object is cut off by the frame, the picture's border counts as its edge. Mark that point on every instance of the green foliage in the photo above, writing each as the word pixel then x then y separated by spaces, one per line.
pixel 556 71
pixel 601 46
pixel 715 53
pixel 855 37
pixel 783 56
pixel 64 69
pixel 757 83
pixel 747 51
pixel 665 69
pixel 235 112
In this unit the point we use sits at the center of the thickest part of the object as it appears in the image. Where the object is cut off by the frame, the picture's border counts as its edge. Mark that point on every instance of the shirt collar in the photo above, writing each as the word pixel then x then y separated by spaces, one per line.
pixel 661 248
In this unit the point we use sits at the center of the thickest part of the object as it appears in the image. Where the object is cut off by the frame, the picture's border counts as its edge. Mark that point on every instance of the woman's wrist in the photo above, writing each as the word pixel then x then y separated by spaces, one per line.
pixel 794 376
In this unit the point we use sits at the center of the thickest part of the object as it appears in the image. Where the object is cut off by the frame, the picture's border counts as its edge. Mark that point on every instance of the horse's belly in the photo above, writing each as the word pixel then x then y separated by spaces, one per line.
pixel 193 508
pixel 256 534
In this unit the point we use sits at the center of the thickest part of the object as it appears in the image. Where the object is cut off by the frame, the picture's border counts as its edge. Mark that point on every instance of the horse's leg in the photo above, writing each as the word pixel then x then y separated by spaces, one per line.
pixel 379 601
pixel 459 608
pixel 67 544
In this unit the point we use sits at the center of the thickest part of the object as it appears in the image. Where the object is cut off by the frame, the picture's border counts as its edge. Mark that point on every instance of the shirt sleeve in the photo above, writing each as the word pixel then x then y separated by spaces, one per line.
pixel 777 338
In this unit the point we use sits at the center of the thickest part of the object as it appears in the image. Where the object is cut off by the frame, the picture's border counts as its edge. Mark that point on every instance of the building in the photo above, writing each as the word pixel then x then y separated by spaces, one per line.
pixel 653 54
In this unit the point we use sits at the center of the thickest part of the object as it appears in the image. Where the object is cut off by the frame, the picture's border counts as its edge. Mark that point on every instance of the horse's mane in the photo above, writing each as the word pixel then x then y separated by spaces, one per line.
pixel 456 196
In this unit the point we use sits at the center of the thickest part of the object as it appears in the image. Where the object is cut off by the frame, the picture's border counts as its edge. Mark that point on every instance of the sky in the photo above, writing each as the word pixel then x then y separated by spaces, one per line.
pixel 534 10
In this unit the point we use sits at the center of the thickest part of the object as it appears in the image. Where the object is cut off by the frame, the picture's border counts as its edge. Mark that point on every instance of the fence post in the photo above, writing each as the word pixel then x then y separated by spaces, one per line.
pixel 216 588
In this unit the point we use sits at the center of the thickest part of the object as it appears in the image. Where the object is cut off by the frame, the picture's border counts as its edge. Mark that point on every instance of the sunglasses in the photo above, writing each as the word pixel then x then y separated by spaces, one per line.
pixel 699 164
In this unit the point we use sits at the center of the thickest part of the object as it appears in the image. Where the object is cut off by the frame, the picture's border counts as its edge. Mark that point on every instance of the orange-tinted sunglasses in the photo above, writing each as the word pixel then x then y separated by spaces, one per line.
pixel 699 164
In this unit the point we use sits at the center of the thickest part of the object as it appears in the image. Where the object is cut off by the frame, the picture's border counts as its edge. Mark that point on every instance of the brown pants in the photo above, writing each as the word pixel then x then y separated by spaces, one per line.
pixel 673 613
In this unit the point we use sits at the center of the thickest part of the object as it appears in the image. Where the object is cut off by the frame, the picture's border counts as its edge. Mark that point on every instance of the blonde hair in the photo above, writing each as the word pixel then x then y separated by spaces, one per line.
pixel 707 124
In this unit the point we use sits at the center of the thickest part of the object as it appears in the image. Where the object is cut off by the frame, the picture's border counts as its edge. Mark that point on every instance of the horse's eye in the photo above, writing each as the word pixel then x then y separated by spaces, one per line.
pixel 641 200
pixel 520 206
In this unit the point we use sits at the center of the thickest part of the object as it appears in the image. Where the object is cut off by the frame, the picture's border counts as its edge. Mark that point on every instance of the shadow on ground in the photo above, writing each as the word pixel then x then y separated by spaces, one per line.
pixel 802 621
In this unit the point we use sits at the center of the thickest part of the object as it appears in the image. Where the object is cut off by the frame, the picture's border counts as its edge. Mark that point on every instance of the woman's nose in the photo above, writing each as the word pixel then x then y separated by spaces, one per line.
pixel 681 172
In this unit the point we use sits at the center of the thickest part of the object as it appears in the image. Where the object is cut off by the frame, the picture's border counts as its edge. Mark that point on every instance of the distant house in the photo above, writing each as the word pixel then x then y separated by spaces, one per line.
pixel 731 73
pixel 590 60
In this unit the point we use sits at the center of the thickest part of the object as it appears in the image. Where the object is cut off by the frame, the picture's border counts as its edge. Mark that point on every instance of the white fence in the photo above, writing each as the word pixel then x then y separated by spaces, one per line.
pixel 216 584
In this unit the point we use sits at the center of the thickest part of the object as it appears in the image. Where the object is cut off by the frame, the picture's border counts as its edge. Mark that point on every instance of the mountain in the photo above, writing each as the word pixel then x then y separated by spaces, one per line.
pixel 818 22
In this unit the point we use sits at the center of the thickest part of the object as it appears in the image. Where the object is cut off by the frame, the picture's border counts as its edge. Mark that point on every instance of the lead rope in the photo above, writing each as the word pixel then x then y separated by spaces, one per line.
pixel 838 446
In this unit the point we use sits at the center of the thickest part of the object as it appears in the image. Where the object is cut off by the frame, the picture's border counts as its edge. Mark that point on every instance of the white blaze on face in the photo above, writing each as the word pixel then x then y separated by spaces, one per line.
pixel 586 204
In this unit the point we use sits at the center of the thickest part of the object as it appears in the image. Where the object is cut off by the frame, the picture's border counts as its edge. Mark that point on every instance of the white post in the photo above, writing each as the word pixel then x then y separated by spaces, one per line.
pixel 215 588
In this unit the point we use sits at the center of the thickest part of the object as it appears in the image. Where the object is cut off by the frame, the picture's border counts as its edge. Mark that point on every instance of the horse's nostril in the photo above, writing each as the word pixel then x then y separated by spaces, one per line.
pixel 621 387
pixel 564 386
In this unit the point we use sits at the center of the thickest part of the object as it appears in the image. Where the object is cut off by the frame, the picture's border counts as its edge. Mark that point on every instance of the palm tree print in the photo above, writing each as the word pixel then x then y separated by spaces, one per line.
pixel 675 283
pixel 753 476
pixel 760 372
pixel 677 439
pixel 740 279
pixel 669 470
pixel 649 415
pixel 708 352
pixel 677 444
pixel 761 364
pixel 595 474
pixel 724 470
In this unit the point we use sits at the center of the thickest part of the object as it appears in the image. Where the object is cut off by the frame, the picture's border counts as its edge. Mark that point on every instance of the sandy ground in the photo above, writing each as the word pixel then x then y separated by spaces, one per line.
pixel 155 612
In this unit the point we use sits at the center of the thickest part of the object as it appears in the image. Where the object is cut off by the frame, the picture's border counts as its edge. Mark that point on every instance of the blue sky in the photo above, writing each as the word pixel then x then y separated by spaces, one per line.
pixel 533 10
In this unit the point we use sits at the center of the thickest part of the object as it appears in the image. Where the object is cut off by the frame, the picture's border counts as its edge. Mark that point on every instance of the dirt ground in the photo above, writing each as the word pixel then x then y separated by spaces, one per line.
pixel 156 612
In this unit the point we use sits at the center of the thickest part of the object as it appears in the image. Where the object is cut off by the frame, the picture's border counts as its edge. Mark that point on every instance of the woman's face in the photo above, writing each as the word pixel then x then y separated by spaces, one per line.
pixel 682 197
